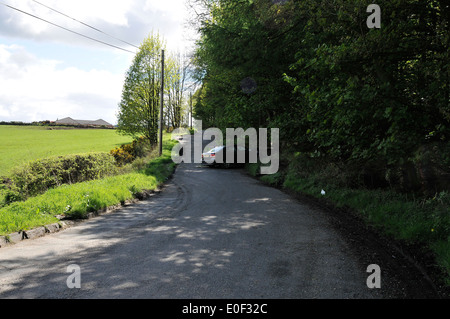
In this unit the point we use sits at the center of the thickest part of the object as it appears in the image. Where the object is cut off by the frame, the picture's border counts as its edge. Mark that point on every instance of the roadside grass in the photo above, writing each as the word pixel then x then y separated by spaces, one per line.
pixel 21 144
pixel 412 220
pixel 77 200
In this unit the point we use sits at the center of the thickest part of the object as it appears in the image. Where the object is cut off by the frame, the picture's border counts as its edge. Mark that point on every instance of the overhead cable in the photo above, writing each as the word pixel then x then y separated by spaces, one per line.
pixel 64 28
pixel 85 24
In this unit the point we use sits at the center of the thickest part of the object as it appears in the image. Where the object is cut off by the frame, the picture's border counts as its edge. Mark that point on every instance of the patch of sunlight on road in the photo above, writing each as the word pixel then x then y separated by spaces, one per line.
pixel 251 201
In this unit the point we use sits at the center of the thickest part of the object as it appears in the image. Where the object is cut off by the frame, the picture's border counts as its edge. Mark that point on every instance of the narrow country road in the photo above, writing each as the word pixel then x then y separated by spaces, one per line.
pixel 210 233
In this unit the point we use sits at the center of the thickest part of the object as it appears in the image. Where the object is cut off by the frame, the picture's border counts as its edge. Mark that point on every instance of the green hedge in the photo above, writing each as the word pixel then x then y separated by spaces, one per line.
pixel 38 176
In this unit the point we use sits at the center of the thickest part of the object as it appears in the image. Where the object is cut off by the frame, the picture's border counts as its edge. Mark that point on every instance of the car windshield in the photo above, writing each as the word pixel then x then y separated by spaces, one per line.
pixel 216 149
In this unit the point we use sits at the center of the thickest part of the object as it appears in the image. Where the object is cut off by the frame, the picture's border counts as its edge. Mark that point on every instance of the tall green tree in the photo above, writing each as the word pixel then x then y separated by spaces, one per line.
pixel 338 90
pixel 371 96
pixel 140 104
pixel 240 58
pixel 175 79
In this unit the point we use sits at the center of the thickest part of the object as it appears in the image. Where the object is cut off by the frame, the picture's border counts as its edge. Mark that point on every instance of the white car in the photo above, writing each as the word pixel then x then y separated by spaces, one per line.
pixel 209 158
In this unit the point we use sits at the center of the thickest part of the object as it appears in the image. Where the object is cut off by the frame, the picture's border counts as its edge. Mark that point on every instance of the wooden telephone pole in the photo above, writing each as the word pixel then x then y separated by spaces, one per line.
pixel 162 105
pixel 190 102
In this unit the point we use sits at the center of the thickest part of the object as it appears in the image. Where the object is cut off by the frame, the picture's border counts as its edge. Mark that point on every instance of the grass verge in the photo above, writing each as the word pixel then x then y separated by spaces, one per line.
pixel 77 200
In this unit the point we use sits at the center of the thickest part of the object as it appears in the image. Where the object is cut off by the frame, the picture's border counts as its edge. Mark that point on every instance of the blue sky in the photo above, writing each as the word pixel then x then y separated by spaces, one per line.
pixel 48 73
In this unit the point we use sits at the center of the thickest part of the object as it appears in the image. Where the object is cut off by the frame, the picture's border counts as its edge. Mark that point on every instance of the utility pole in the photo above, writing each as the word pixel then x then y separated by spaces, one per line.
pixel 162 105
pixel 190 101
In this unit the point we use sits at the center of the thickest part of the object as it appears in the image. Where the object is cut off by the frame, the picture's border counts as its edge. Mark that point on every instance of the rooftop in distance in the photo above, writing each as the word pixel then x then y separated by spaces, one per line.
pixel 71 121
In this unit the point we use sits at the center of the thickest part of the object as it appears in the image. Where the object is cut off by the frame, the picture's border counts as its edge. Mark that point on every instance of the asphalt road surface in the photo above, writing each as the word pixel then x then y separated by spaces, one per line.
pixel 210 233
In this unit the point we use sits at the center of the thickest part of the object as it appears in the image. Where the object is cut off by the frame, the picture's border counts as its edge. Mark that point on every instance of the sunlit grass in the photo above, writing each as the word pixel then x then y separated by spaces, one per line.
pixel 20 144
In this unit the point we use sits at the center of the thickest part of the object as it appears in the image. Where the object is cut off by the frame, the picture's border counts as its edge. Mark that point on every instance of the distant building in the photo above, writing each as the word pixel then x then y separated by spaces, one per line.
pixel 71 121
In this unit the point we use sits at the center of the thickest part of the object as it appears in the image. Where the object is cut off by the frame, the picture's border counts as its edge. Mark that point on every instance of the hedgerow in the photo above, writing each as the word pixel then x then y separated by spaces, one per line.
pixel 38 176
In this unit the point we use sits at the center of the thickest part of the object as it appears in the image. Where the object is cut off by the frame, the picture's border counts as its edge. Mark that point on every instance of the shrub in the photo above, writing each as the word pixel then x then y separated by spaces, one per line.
pixel 38 176
pixel 127 153
pixel 122 155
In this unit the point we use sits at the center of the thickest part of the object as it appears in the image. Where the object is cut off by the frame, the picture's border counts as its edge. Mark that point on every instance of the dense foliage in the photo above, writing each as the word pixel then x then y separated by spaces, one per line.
pixel 372 101
pixel 127 153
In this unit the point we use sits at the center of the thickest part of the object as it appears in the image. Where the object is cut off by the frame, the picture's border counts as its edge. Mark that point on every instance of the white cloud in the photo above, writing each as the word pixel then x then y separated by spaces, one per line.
pixel 175 9
pixel 113 12
pixel 42 91
pixel 97 11
pixel 48 73
pixel 128 20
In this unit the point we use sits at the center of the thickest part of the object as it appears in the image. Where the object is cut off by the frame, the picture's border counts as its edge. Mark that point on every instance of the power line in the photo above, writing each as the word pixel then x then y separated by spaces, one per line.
pixel 85 24
pixel 56 25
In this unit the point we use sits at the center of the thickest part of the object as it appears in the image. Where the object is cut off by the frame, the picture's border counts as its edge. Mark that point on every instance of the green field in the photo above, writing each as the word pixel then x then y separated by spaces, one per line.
pixel 19 144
